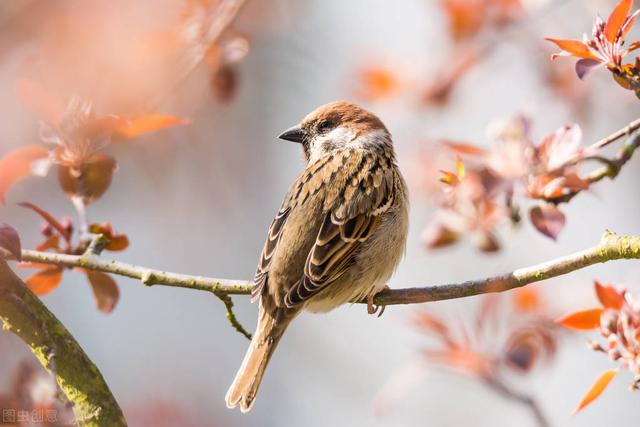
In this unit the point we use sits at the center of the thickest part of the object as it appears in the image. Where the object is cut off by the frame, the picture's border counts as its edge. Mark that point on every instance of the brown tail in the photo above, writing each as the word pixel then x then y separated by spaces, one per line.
pixel 245 386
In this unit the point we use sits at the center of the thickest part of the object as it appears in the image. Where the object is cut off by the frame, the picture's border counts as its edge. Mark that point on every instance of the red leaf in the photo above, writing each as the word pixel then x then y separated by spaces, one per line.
pixel 596 389
pixel 609 296
pixel 582 320
pixel 585 66
pixel 617 19
pixel 64 231
pixel 574 47
pixel 548 219
pixel 10 240
pixel 105 290
pixel 143 124
pixel 45 280
pixel 17 164
pixel 40 102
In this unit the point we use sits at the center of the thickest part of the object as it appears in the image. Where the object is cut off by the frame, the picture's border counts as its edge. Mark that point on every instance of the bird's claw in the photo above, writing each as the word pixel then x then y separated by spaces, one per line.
pixel 373 308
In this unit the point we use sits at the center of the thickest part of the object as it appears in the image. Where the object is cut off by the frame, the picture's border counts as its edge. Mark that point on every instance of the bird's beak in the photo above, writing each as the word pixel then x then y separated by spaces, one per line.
pixel 294 134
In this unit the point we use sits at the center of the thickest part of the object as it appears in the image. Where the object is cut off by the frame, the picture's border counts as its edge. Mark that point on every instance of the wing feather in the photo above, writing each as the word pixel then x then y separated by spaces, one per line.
pixel 351 219
pixel 273 236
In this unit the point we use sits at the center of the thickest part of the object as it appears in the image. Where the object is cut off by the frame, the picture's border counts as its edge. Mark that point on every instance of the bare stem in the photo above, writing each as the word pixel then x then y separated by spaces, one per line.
pixel 610 169
pixel 224 15
pixel 625 131
pixel 81 210
pixel 529 402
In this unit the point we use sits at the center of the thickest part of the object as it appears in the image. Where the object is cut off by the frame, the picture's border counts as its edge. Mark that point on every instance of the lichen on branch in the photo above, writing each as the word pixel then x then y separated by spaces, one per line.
pixel 25 315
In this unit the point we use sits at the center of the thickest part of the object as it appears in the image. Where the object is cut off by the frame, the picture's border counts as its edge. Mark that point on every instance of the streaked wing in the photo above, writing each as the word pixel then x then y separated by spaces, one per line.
pixel 275 230
pixel 352 217
pixel 307 184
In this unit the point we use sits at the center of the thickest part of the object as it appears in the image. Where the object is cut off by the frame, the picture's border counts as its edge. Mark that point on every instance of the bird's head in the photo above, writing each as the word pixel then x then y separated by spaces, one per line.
pixel 335 126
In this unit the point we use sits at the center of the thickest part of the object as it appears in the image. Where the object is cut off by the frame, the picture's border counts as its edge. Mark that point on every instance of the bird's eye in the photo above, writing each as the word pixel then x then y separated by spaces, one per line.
pixel 324 126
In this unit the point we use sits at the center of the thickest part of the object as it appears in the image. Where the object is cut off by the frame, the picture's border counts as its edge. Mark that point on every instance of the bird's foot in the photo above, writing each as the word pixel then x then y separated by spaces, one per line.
pixel 373 308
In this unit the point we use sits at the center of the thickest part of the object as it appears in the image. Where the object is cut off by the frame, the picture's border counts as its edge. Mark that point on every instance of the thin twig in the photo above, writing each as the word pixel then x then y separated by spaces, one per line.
pixel 231 317
pixel 610 170
pixel 226 13
pixel 611 247
pixel 594 148
pixel 500 387
pixel 625 131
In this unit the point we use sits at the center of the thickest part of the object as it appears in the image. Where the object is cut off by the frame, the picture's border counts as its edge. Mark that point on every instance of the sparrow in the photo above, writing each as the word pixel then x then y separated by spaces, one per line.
pixel 338 236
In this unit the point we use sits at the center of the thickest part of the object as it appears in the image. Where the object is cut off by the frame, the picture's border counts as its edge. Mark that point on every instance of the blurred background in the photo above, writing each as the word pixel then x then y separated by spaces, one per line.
pixel 199 198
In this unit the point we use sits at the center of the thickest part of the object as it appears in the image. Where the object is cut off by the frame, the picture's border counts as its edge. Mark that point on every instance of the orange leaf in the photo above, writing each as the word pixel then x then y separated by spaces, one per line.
pixel 17 164
pixel 462 148
pixel 105 290
pixel 609 297
pixel 627 26
pixel 582 320
pixel 377 83
pixel 616 19
pixel 40 102
pixel 148 123
pixel 117 242
pixel 526 300
pixel 596 389
pixel 574 47
pixel 51 242
pixel 467 361
pixel 45 280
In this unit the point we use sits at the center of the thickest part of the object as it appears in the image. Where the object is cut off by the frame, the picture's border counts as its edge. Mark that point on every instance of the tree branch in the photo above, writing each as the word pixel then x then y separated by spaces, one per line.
pixel 611 247
pixel 24 314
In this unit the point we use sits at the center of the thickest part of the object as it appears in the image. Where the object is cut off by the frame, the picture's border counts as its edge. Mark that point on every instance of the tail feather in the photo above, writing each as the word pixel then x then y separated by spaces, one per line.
pixel 245 386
